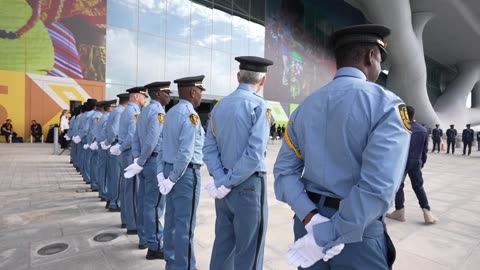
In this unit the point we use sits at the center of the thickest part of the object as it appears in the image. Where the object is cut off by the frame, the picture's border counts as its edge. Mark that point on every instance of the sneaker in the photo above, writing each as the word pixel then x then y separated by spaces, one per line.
pixel 429 217
pixel 397 215
pixel 142 246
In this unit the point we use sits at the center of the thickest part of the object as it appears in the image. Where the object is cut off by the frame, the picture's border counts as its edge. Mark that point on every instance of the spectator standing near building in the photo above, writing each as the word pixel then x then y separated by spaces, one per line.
pixel 451 139
pixel 467 139
pixel 437 134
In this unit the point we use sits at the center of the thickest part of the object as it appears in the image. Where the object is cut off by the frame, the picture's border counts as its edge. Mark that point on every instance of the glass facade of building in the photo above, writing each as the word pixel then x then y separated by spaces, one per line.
pixel 167 39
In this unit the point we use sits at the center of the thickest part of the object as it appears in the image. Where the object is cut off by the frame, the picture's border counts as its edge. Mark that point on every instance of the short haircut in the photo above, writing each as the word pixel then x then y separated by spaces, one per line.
pixel 410 112
pixel 251 77
pixel 353 53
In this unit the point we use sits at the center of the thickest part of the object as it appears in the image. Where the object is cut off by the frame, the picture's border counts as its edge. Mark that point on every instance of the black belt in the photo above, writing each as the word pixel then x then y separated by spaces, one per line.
pixel 329 201
pixel 258 173
pixel 190 165
pixel 154 154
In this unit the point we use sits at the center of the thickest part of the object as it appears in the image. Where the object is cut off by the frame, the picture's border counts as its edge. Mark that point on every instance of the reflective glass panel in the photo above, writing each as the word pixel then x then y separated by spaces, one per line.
pixel 178 20
pixel 222 30
pixel 240 28
pixel 123 13
pixel 151 59
pixel 200 64
pixel 152 16
pixel 201 25
pixel 176 64
pixel 221 74
pixel 121 56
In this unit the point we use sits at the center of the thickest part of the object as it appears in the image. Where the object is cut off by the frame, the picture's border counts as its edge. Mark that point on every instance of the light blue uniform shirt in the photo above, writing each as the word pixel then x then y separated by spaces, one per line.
pixel 72 131
pixel 237 137
pixel 94 123
pixel 182 139
pixel 127 126
pixel 147 138
pixel 347 140
pixel 100 129
pixel 113 122
pixel 85 126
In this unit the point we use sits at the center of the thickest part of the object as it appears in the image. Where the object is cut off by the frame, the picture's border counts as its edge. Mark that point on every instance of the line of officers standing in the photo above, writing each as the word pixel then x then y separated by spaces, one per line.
pixel 467 139
pixel 144 162
pixel 341 162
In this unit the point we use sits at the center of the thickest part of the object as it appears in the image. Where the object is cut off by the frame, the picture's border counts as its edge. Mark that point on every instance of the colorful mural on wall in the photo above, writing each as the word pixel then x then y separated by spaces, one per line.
pixel 51 52
pixel 42 99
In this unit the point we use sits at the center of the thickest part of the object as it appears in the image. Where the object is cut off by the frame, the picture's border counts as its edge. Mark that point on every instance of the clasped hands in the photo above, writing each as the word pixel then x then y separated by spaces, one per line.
pixel 132 169
pixel 305 251
pixel 165 185
pixel 214 192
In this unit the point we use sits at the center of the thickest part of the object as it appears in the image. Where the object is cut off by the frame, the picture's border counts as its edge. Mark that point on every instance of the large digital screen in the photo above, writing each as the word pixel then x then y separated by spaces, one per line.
pixel 297 39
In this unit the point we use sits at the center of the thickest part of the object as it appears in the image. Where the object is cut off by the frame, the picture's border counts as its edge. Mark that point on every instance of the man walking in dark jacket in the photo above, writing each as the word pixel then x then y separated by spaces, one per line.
pixel 417 157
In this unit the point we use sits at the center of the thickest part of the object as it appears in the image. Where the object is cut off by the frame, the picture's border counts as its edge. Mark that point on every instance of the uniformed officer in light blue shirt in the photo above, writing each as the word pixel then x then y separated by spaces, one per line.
pixel 72 131
pixel 183 137
pixel 147 151
pixel 137 99
pixel 115 174
pixel 94 123
pixel 234 152
pixel 343 159
pixel 100 136
pixel 81 139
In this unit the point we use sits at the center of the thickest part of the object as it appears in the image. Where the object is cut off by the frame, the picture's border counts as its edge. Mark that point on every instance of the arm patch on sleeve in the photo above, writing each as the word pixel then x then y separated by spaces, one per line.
pixel 194 119
pixel 161 118
pixel 402 110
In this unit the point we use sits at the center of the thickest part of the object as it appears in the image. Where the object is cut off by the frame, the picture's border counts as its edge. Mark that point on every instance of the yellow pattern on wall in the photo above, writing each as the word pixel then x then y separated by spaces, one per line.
pixel 12 99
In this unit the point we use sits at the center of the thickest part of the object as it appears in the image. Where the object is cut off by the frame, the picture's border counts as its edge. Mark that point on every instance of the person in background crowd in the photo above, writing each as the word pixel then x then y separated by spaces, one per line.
pixel 437 134
pixel 451 138
pixel 467 139
pixel 36 130
pixel 7 130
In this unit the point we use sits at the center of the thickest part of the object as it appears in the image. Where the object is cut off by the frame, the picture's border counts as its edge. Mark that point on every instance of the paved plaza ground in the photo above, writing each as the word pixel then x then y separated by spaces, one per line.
pixel 43 201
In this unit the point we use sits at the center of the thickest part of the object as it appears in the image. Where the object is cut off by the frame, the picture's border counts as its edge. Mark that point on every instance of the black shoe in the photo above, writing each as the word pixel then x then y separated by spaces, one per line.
pixel 152 255
pixel 140 246
pixel 131 232
pixel 114 210
pixel 107 205
pixel 123 226
pixel 103 200
pixel 94 189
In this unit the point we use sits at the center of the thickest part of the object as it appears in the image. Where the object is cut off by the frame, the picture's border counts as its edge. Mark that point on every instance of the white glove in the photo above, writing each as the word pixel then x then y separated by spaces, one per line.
pixel 222 192
pixel 115 150
pixel 165 186
pixel 104 146
pixel 316 219
pixel 160 178
pixel 211 189
pixel 133 169
pixel 86 146
pixel 66 137
pixel 94 146
pixel 305 252
pixel 76 139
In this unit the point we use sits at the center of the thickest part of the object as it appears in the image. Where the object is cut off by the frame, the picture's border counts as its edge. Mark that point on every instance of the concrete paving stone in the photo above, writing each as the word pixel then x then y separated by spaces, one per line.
pixel 87 261
pixel 17 258
pixel 444 247
pixel 405 260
